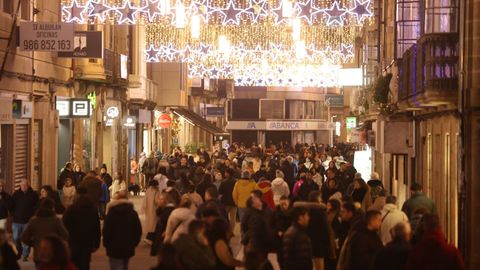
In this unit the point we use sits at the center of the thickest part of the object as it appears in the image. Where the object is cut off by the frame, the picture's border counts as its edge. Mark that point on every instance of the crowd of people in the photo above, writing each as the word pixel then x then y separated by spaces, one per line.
pixel 305 203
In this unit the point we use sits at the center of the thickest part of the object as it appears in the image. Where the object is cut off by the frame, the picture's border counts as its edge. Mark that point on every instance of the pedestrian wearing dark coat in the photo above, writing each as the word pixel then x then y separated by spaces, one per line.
pixel 93 186
pixel 67 172
pixel 43 224
pixel 122 231
pixel 297 246
pixel 5 204
pixel 395 254
pixel 83 224
pixel 433 252
pixel 9 259
pixel 257 231
pixel 23 206
pixel 363 245
pixel 317 229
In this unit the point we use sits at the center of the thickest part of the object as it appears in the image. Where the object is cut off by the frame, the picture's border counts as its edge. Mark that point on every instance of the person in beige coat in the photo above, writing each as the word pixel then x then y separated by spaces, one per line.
pixel 150 205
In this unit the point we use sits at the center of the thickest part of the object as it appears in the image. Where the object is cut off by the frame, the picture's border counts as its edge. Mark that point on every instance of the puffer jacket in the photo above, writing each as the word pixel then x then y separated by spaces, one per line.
pixel 241 192
pixel 279 188
pixel 297 249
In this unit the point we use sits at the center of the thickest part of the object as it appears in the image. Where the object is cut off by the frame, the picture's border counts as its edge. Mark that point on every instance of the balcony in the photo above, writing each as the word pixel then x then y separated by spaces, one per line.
pixel 428 73
pixel 142 91
pixel 111 69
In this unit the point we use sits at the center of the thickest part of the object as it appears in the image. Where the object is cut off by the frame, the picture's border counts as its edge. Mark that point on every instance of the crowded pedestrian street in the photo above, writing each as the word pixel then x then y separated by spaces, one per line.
pixel 239 134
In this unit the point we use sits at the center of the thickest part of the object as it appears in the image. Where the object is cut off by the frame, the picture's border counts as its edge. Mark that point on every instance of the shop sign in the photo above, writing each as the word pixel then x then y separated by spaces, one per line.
pixel 93 99
pixel 80 108
pixel 87 44
pixel 164 120
pixel 279 125
pixel 46 36
pixel 63 107
pixel 351 122
pixel 216 111
pixel 130 121
pixel 22 109
pixel 112 112
pixel 5 109
pixel 334 100
pixel 73 108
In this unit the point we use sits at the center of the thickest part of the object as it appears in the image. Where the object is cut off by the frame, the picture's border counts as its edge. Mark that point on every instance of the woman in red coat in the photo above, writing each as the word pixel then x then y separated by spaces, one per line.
pixel 266 188
pixel 432 252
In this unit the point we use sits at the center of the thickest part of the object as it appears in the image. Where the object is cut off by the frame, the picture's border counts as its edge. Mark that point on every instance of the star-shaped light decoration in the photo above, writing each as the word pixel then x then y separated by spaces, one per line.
pixel 257 9
pixel 307 11
pixel 278 15
pixel 227 70
pixel 152 9
pixel 187 55
pixel 152 54
pixel 231 14
pixel 361 10
pixel 346 51
pixel 214 72
pixel 335 15
pixel 74 12
pixel 205 49
pixel 98 10
pixel 200 8
pixel 127 13
pixel 168 52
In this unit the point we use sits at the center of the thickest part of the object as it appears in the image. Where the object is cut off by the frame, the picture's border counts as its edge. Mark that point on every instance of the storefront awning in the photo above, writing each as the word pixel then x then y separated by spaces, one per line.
pixel 199 121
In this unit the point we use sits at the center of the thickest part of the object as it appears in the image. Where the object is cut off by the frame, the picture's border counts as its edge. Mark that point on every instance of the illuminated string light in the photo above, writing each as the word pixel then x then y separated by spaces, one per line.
pixel 223 12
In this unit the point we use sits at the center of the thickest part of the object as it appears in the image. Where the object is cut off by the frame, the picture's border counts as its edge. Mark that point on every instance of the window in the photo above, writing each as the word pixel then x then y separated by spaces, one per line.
pixel 441 16
pixel 295 109
pixel 408 25
pixel 271 109
pixel 7 6
pixel 25 12
pixel 245 109
pixel 309 109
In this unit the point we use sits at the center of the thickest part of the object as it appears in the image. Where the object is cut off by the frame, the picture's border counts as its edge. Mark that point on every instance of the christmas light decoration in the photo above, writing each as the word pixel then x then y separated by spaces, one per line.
pixel 223 12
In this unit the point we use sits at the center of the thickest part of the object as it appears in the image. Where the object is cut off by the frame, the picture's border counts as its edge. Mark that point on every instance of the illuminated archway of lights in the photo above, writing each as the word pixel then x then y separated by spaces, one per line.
pixel 223 12
pixel 239 39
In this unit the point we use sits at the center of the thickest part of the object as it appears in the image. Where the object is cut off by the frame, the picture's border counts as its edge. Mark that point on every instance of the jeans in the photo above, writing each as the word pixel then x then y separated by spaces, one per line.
pixel 81 257
pixel 118 263
pixel 17 229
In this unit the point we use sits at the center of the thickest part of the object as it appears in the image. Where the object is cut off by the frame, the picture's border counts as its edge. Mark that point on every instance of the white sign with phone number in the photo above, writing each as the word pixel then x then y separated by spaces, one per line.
pixel 47 37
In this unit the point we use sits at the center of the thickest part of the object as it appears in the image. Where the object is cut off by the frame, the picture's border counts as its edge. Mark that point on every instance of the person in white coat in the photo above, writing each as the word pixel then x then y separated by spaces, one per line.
pixel 119 184
pixel 279 187
pixel 150 205
pixel 391 216
pixel 179 220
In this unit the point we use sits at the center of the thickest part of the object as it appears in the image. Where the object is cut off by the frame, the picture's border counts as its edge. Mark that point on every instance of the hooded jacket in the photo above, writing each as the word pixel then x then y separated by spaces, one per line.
pixel 241 192
pixel 122 229
pixel 279 188
pixel 267 195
